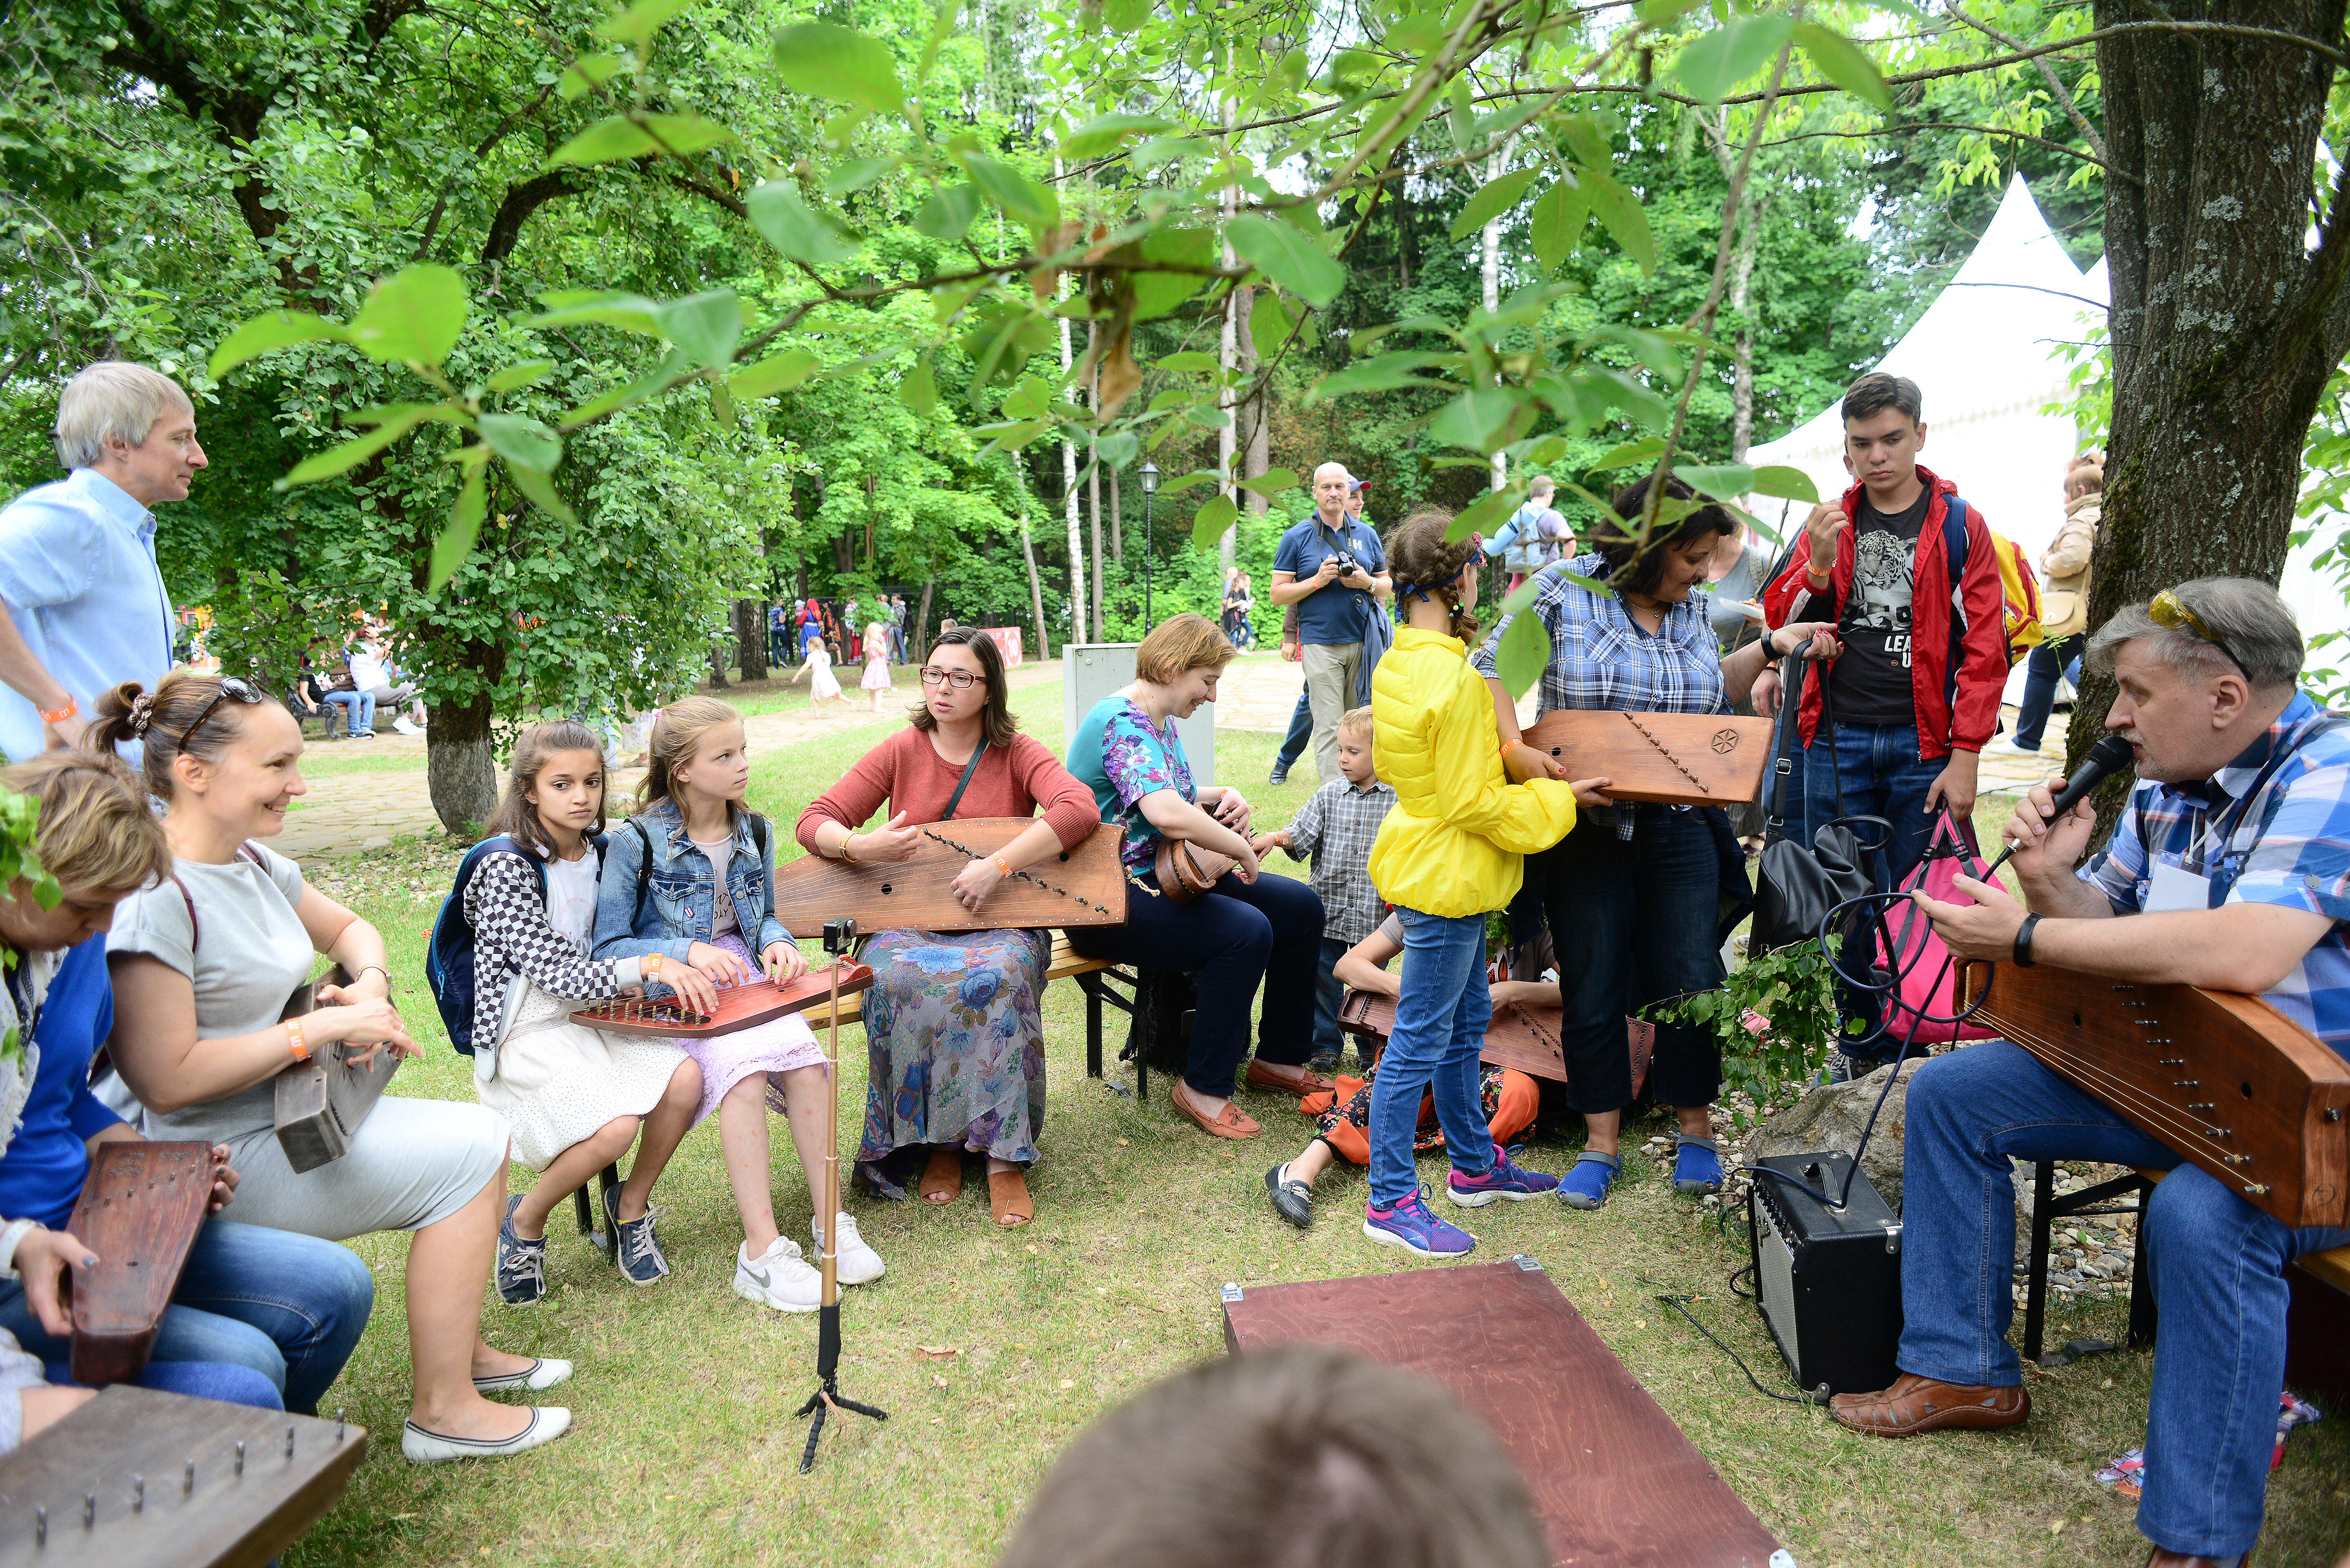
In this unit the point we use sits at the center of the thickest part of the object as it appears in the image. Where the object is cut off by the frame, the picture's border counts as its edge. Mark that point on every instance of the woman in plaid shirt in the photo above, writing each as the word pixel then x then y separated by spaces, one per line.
pixel 1631 893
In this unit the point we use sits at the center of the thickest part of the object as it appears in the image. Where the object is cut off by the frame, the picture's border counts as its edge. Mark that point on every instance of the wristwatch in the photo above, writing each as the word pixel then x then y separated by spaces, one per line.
pixel 2024 941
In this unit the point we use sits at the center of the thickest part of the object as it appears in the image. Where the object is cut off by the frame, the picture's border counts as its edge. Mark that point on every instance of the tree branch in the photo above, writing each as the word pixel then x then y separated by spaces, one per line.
pixel 2048 74
pixel 521 200
pixel 1914 126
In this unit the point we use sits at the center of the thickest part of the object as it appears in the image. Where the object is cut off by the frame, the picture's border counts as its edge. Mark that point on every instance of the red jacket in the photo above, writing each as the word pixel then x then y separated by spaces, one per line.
pixel 1982 669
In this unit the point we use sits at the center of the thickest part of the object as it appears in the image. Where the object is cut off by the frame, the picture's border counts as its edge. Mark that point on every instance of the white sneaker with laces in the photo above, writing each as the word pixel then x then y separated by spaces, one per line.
pixel 779 1277
pixel 407 726
pixel 2005 747
pixel 859 1264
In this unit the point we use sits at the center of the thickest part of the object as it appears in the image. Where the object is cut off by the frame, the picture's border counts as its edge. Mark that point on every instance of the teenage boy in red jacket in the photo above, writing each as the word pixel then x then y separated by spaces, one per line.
pixel 1916 694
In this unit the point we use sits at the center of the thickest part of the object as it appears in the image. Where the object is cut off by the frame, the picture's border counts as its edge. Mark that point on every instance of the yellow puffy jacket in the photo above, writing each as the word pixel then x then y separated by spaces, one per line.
pixel 1452 843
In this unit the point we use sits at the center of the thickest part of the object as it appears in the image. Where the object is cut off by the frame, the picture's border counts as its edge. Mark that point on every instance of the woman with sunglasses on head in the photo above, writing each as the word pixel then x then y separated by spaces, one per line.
pixel 956 1045
pixel 203 962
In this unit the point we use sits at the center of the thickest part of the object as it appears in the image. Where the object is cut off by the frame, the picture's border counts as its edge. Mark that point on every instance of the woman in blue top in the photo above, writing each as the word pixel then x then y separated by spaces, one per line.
pixel 1244 930
pixel 260 1316
pixel 1632 893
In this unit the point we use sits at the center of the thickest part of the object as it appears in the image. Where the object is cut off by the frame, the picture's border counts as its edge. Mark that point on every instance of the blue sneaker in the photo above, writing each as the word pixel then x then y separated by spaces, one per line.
pixel 1502 1181
pixel 1697 1168
pixel 638 1249
pixel 1587 1185
pixel 522 1264
pixel 1410 1225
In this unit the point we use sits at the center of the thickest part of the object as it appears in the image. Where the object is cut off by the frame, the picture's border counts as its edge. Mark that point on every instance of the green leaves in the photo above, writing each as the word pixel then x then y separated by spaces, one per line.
pixel 1723 482
pixel 1269 323
pixel 1559 216
pixel 1104 131
pixel 1522 654
pixel 1493 199
pixel 639 136
pixel 1021 198
pixel 267 333
pixel 1484 515
pixel 778 373
pixel 1289 258
pixel 1619 211
pixel 1839 59
pixel 416 315
pixel 948 212
pixel 1713 63
pixel 639 22
pixel 1478 419
pixel 796 230
pixel 1212 521
pixel 919 390
pixel 833 63
pixel 523 442
pixel 464 525
pixel 390 424
pixel 1785 483
pixel 1633 451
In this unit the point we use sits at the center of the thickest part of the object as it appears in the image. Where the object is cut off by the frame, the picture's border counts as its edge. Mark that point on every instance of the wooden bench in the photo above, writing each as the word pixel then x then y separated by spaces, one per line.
pixel 1093 977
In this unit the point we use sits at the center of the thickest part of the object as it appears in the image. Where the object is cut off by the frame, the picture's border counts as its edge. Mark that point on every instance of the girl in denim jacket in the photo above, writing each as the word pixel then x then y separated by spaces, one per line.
pixel 691 879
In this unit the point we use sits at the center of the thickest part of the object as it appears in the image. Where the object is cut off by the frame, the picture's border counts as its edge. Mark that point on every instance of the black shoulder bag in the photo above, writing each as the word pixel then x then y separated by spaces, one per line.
pixel 1795 883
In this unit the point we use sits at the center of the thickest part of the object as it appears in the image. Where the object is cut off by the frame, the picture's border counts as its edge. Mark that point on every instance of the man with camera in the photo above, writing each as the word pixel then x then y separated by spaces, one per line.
pixel 1333 570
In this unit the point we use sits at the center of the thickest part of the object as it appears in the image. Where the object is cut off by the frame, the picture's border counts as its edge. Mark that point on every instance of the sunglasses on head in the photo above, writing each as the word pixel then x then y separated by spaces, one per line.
pixel 2169 612
pixel 232 690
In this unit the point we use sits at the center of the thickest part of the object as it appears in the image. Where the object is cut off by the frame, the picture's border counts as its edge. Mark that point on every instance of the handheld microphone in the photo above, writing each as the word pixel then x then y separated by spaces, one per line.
pixel 2106 758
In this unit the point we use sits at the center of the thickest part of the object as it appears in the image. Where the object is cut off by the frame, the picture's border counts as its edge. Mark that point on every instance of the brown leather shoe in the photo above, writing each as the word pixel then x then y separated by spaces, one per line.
pixel 1914 1405
pixel 1298 1081
pixel 2166 1559
pixel 1229 1123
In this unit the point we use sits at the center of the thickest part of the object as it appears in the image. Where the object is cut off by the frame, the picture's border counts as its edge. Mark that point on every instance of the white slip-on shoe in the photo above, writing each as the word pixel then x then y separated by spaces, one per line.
pixel 538 1375
pixel 547 1422
pixel 779 1278
pixel 859 1264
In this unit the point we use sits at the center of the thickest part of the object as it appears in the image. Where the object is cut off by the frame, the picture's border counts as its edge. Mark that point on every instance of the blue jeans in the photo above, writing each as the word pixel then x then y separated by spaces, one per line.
pixel 196 1379
pixel 287 1306
pixel 1439 1031
pixel 1329 992
pixel 1632 923
pixel 2216 1265
pixel 1883 775
pixel 358 711
pixel 1301 735
pixel 2048 662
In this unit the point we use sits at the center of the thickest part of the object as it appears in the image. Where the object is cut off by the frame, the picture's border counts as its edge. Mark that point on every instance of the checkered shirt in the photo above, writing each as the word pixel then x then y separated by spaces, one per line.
pixel 1600 658
pixel 2289 846
pixel 1337 827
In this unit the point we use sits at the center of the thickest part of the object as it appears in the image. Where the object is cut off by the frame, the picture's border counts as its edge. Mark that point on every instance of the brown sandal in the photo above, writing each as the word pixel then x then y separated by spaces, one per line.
pixel 942 1177
pixel 1007 1194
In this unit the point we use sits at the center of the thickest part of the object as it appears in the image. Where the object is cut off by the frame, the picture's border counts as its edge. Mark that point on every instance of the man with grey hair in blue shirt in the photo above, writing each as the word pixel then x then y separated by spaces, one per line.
pixel 82 603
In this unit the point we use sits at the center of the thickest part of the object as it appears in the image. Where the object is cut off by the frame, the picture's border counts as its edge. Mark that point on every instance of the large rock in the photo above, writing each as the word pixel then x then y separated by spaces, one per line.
pixel 1830 1116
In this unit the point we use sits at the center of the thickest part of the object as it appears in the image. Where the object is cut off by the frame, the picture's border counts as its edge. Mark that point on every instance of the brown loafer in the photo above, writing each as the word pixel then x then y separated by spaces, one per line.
pixel 1298 1081
pixel 1229 1123
pixel 1914 1405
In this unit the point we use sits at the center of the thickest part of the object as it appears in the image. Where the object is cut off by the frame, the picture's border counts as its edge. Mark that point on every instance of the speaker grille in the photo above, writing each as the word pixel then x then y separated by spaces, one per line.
pixel 1774 1282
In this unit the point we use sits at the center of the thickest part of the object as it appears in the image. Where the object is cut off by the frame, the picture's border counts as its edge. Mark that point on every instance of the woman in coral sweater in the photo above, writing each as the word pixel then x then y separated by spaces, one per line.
pixel 956 1044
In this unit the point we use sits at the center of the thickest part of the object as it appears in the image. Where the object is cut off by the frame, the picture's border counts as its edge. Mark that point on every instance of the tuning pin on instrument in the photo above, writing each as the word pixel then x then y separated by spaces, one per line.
pixel 289 1442
pixel 240 1459
pixel 40 1527
pixel 138 1494
pixel 88 1509
pixel 338 1423
pixel 187 1477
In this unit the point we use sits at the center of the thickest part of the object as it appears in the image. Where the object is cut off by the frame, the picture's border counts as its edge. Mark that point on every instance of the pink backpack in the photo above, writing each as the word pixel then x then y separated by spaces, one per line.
pixel 1925 995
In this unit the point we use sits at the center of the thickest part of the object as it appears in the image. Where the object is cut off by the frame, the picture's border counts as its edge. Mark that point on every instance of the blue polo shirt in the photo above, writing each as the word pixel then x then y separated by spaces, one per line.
pixel 79 575
pixel 43 1168
pixel 1331 613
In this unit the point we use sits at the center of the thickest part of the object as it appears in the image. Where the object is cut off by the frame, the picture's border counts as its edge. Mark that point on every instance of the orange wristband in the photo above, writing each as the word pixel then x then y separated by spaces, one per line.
pixel 293 1040
pixel 72 706
pixel 1002 866
pixel 651 967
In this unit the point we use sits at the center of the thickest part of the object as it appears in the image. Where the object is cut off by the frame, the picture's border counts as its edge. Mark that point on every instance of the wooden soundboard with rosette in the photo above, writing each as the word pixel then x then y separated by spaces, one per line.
pixel 1523 1037
pixel 1671 759
pixel 140 1210
pixel 740 1007
pixel 2224 1079
pixel 1080 887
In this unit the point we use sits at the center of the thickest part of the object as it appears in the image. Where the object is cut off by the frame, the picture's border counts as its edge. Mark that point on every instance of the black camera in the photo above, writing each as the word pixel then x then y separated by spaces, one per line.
pixel 1346 567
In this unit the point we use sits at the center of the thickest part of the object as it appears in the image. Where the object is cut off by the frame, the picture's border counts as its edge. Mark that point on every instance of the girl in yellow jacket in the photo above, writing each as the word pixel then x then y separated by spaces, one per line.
pixel 1448 853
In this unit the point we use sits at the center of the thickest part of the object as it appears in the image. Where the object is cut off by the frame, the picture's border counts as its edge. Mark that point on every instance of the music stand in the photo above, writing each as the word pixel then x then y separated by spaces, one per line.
pixel 839 936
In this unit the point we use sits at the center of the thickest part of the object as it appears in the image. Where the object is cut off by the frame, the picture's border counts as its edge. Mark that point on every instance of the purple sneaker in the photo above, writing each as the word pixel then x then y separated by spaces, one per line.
pixel 1410 1225
pixel 1502 1181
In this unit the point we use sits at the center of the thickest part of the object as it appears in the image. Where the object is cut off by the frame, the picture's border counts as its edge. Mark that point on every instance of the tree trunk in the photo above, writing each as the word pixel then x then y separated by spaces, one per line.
pixel 1035 591
pixel 921 648
pixel 1741 349
pixel 1490 272
pixel 718 662
pixel 1227 361
pixel 1255 437
pixel 1117 531
pixel 460 772
pixel 1093 474
pixel 751 638
pixel 1068 502
pixel 2225 324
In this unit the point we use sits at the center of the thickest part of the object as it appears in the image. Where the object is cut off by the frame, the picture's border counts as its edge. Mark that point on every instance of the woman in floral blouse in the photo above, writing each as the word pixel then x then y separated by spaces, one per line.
pixel 1247 928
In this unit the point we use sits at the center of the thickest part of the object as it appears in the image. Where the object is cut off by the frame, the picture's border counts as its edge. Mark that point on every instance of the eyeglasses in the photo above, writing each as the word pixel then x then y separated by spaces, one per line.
pixel 231 689
pixel 960 679
pixel 2168 612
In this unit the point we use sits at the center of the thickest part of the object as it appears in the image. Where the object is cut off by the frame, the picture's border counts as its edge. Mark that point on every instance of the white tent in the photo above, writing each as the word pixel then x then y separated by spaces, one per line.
pixel 1987 355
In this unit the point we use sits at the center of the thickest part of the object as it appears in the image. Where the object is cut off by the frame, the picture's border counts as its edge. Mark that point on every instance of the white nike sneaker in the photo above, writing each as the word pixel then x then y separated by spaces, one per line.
pixel 859 1264
pixel 779 1278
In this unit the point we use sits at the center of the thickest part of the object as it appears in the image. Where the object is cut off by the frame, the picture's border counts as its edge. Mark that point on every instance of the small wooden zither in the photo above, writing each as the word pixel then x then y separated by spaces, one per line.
pixel 140 1210
pixel 1080 887
pixel 2224 1079
pixel 321 1103
pixel 162 1480
pixel 1614 1481
pixel 739 1006
pixel 1675 759
pixel 1525 1038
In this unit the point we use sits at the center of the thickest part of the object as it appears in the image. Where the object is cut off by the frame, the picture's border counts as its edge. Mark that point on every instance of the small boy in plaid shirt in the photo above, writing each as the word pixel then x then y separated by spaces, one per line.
pixel 1337 827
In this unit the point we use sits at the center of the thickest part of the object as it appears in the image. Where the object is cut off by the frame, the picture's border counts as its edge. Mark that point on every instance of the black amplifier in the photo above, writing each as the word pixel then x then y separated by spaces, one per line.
pixel 1828 1284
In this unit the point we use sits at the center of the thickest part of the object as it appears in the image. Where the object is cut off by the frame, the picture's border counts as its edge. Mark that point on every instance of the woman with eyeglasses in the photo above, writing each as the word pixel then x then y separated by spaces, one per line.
pixel 956 1045
pixel 203 964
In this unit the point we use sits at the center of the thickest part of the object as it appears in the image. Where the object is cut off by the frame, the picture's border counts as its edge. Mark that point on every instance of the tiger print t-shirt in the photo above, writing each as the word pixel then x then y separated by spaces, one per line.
pixel 1870 683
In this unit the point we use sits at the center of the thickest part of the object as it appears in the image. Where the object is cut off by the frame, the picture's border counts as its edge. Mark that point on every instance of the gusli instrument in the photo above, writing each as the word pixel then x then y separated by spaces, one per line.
pixel 1080 887
pixel 739 1006
pixel 321 1103
pixel 140 1210
pixel 2226 1079
pixel 1672 759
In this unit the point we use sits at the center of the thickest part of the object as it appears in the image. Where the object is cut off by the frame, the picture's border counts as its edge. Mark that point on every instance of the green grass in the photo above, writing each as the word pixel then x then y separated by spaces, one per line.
pixel 685 1448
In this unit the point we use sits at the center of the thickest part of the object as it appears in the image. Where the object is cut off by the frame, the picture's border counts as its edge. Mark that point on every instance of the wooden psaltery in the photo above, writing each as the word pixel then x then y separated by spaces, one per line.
pixel 1523 1037
pixel 2225 1080
pixel 1080 887
pixel 140 1210
pixel 740 1007
pixel 1674 759
pixel 321 1102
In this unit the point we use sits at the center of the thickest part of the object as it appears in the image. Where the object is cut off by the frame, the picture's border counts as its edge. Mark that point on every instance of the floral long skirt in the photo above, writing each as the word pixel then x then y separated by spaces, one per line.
pixel 956 1049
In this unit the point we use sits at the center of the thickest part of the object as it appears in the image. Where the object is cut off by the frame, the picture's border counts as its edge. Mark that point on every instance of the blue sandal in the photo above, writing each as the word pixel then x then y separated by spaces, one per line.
pixel 1696 1168
pixel 1581 1191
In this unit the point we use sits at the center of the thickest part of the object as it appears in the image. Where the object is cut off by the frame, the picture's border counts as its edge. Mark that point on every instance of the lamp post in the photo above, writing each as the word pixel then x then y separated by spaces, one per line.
pixel 1149 477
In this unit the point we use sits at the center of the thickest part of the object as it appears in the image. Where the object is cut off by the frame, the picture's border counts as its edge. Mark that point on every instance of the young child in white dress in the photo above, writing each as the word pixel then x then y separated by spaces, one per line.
pixel 817 668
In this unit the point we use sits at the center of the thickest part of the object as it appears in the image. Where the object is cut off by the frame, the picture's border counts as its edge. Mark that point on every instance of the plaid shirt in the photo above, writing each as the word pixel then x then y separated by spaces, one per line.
pixel 2289 846
pixel 1337 827
pixel 1600 658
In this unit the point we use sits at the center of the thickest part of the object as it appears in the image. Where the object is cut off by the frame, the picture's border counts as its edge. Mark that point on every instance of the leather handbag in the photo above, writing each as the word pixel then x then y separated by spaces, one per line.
pixel 1795 883
pixel 1185 871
